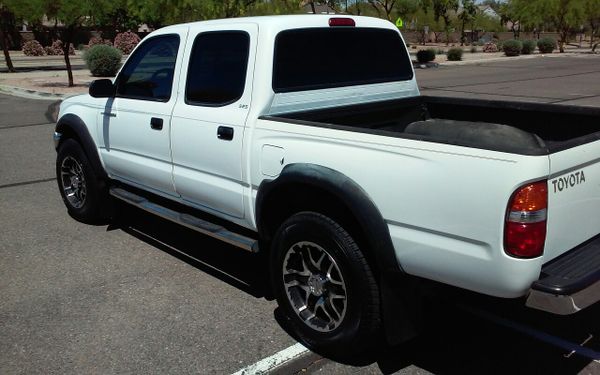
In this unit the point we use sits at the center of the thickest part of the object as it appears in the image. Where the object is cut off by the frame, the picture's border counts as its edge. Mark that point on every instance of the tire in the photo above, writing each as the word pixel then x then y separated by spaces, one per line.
pixel 317 269
pixel 84 194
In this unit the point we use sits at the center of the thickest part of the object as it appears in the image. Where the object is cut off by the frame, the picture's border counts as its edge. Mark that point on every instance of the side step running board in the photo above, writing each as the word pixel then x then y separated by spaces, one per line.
pixel 189 221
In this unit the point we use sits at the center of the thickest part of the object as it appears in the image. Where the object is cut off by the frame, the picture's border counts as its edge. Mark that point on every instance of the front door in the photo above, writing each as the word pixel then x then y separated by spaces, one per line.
pixel 135 124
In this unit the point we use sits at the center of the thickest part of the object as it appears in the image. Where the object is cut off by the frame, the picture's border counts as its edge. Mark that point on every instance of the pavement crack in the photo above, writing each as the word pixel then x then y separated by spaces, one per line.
pixel 24 126
pixel 27 183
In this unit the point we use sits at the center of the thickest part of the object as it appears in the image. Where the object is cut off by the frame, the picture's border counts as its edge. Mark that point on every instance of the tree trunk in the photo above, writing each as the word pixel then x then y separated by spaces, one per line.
pixel 312 7
pixel 9 64
pixel 67 36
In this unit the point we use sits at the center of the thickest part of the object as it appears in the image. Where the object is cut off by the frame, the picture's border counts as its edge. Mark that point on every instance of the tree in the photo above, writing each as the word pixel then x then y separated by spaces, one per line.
pixel 6 24
pixel 565 15
pixel 592 15
pixel 443 9
pixel 509 15
pixel 467 15
pixel 70 15
pixel 383 5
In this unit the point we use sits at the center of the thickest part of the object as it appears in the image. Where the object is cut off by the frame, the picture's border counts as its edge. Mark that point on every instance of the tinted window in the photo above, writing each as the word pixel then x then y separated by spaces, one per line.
pixel 308 59
pixel 217 71
pixel 148 73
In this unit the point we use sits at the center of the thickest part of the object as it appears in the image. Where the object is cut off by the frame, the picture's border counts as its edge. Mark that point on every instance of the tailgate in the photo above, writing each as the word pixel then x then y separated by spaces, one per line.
pixel 573 198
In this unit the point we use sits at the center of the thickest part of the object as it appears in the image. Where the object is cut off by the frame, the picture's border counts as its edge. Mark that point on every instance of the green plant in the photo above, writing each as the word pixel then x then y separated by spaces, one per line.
pixel 440 51
pixel 103 60
pixel 546 45
pixel 454 54
pixel 512 47
pixel 33 48
pixel 473 49
pixel 528 47
pixel 426 55
pixel 499 45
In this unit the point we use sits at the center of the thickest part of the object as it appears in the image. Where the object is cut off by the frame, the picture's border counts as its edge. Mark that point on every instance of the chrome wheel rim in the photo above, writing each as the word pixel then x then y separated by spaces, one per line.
pixel 314 286
pixel 73 182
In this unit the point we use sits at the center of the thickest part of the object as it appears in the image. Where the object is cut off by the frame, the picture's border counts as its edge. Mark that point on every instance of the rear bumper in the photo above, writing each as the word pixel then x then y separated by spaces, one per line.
pixel 569 283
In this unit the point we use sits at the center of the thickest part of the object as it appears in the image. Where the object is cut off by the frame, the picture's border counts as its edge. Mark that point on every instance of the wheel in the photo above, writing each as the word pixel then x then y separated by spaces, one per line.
pixel 324 285
pixel 84 195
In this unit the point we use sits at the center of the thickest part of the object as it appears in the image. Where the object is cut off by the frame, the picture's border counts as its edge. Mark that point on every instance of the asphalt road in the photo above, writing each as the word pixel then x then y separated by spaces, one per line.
pixel 145 296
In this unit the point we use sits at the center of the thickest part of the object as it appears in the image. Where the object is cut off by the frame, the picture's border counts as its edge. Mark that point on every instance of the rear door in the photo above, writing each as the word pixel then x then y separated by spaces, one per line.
pixel 209 119
pixel 573 198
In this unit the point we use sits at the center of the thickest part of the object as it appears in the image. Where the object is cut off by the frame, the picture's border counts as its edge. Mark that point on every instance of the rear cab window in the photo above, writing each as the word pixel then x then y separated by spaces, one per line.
pixel 217 68
pixel 304 58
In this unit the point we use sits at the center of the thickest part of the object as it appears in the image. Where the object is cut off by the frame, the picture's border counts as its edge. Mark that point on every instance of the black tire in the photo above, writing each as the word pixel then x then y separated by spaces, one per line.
pixel 359 325
pixel 91 207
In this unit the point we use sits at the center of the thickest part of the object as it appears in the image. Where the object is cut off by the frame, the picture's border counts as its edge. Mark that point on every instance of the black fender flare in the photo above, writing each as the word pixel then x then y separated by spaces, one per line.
pixel 354 197
pixel 72 126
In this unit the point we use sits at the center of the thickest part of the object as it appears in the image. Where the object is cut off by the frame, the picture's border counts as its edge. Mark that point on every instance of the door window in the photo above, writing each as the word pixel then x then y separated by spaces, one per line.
pixel 217 70
pixel 148 74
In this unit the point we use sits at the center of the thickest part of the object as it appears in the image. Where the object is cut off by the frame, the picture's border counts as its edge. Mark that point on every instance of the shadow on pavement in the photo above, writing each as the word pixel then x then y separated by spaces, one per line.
pixel 452 341
pixel 240 269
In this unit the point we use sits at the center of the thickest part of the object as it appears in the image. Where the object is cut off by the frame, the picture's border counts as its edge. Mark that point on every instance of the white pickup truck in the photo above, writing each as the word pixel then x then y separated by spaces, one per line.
pixel 305 138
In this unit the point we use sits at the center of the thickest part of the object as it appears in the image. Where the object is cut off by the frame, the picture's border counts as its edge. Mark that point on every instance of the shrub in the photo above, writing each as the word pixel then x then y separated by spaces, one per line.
pixel 97 40
pixel 528 47
pixel 499 45
pixel 103 60
pixel 490 47
pixel 473 49
pixel 426 55
pixel 454 54
pixel 440 51
pixel 33 48
pixel 546 45
pixel 512 47
pixel 126 41
pixel 56 49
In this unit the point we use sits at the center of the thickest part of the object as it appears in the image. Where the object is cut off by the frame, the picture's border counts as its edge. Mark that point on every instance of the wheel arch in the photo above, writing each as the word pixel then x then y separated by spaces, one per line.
pixel 71 126
pixel 302 187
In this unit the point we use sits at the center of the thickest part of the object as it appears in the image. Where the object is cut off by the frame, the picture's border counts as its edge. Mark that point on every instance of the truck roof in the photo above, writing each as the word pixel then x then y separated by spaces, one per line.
pixel 284 22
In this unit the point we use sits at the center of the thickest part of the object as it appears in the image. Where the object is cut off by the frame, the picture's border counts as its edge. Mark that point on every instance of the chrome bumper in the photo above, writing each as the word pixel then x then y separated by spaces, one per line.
pixel 564 304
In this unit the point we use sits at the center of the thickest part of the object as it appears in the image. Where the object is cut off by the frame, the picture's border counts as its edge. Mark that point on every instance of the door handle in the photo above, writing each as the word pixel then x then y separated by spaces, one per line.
pixel 156 123
pixel 225 133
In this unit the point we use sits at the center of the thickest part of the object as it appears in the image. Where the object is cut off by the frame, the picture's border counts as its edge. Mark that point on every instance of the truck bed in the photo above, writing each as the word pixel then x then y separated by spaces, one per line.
pixel 515 127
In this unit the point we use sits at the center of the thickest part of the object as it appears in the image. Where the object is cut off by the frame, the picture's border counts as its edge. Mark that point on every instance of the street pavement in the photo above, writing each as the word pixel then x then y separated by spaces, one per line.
pixel 145 296
pixel 573 80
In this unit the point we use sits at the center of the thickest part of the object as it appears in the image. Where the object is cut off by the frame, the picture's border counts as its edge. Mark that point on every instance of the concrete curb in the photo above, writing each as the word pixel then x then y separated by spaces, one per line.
pixel 509 58
pixel 32 94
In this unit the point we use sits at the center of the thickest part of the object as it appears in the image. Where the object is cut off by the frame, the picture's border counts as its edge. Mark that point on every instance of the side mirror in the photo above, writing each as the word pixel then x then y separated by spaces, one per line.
pixel 102 88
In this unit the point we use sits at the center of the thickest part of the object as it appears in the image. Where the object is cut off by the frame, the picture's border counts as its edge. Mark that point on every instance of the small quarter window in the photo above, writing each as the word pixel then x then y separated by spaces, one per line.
pixel 148 74
pixel 217 70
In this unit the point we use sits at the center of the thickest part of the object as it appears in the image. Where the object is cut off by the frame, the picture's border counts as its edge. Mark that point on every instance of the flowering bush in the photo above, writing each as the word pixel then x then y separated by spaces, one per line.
pixel 126 41
pixel 97 40
pixel 33 48
pixel 56 49
pixel 490 47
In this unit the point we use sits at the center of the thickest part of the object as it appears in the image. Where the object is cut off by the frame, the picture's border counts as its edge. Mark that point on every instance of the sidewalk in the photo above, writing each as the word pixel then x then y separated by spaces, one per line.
pixel 50 83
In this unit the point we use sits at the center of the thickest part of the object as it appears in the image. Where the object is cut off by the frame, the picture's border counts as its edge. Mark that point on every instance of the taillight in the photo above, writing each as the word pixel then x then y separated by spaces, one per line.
pixel 525 228
pixel 339 21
